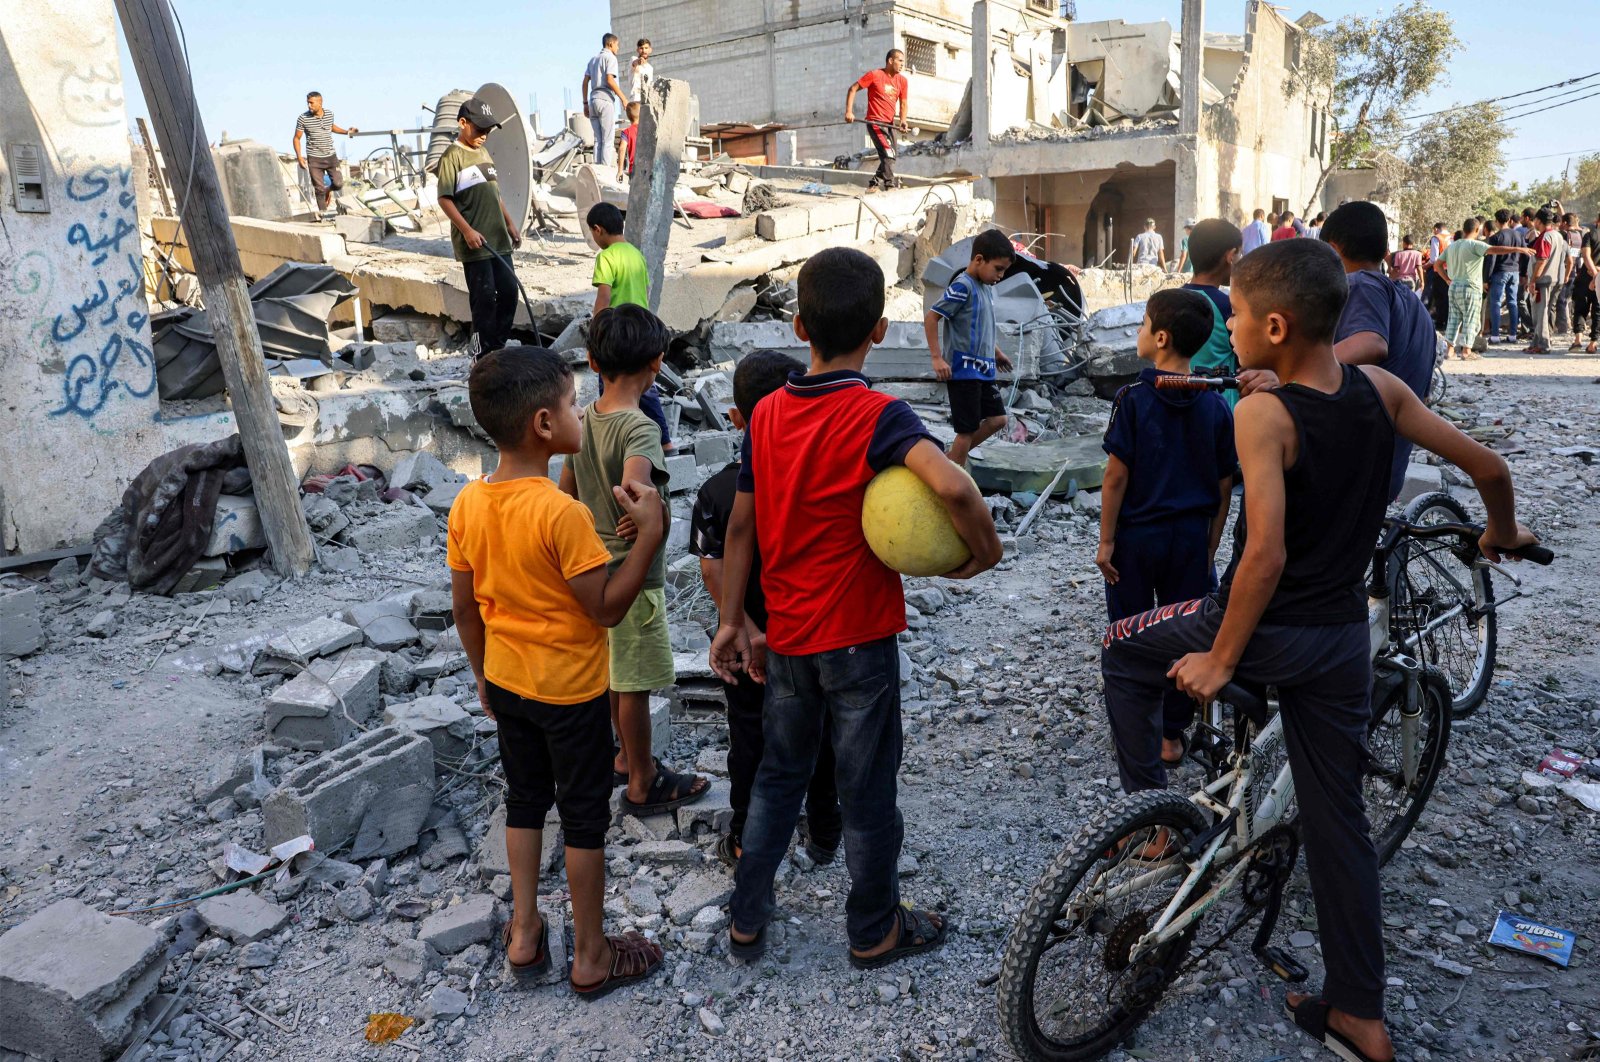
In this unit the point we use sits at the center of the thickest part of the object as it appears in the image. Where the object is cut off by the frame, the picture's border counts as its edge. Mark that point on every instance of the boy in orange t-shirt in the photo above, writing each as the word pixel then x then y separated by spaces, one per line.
pixel 532 601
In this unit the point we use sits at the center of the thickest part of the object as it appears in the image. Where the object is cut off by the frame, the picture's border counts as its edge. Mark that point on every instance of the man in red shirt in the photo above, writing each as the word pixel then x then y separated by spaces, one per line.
pixel 886 89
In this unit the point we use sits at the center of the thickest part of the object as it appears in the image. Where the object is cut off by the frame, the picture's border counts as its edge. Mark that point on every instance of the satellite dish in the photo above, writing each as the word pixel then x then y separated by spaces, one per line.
pixel 513 160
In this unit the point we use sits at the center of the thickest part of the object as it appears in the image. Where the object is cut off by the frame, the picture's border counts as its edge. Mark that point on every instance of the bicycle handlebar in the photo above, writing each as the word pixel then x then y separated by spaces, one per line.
pixel 1536 553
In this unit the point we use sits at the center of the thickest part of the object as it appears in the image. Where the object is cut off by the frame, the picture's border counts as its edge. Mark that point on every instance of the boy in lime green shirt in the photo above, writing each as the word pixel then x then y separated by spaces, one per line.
pixel 620 274
pixel 621 278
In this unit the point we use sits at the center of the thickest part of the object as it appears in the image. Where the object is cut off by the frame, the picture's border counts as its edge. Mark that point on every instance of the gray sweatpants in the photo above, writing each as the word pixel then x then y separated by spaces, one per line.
pixel 1542 311
pixel 1324 680
pixel 603 120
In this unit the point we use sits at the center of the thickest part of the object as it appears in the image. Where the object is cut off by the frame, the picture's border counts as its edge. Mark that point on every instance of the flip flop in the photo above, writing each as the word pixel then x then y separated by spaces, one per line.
pixel 633 958
pixel 748 950
pixel 525 973
pixel 918 933
pixel 666 781
pixel 1312 1016
pixel 1183 739
pixel 728 851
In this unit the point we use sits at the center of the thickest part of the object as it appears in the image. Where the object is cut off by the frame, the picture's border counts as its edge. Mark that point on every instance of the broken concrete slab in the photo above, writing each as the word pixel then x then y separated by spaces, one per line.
pixel 324 706
pixel 441 499
pixel 422 470
pixel 714 811
pixel 412 960
pixel 456 928
pixel 695 892
pixel 1420 479
pixel 235 526
pixel 683 474
pixel 242 917
pixel 446 725
pixel 21 623
pixel 664 126
pixel 491 851
pixel 1012 467
pixel 388 633
pixel 400 526
pixel 305 643
pixel 329 797
pixel 714 449
pixel 73 980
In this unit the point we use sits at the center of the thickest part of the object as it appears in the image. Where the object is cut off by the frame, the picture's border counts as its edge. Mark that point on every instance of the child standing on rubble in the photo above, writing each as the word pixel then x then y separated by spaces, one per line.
pixel 1167 485
pixel 962 340
pixel 833 608
pixel 758 375
pixel 482 232
pixel 532 600
pixel 621 445
pixel 622 278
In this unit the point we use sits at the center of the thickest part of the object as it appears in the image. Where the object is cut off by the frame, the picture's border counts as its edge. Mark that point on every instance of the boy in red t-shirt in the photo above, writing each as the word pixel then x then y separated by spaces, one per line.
pixel 833 608
pixel 629 142
pixel 886 92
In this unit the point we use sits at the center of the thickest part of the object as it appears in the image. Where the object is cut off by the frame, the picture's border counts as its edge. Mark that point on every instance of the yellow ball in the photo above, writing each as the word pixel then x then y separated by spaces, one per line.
pixel 908 527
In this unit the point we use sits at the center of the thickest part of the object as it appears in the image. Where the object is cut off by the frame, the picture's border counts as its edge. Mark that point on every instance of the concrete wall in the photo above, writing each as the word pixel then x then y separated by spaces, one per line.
pixel 792 61
pixel 79 414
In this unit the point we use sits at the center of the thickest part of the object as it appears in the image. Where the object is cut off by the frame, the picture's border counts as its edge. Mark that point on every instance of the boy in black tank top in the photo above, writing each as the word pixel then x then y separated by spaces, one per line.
pixel 1315 455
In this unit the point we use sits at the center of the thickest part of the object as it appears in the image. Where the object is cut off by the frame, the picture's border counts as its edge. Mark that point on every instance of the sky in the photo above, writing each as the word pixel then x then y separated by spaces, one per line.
pixel 377 65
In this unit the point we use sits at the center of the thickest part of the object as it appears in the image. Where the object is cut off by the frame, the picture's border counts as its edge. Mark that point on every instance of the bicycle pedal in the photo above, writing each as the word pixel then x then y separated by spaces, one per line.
pixel 1283 964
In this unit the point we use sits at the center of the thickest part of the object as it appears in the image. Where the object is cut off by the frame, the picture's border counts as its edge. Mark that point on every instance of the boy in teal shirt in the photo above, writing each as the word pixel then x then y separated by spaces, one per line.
pixel 1214 245
pixel 621 278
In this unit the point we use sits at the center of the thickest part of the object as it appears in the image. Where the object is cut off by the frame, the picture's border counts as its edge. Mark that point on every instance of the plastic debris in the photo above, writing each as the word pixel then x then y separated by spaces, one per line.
pixel 386 1027
pixel 1516 933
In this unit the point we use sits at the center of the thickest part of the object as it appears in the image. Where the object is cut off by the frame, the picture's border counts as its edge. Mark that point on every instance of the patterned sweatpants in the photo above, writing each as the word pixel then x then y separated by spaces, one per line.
pixel 1466 314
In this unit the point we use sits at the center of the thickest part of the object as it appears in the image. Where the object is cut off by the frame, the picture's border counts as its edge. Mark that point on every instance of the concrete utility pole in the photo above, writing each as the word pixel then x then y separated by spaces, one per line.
pixel 169 93
pixel 658 157
pixel 1191 55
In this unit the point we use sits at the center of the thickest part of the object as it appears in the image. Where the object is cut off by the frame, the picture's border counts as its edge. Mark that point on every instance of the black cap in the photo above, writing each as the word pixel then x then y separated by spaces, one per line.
pixel 480 114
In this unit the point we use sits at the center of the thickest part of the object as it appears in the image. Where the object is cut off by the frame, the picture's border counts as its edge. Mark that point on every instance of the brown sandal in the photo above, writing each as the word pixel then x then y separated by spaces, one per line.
pixel 633 958
pixel 523 972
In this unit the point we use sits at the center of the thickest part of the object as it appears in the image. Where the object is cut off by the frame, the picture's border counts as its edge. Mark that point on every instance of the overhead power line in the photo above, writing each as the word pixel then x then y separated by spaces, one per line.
pixel 1580 153
pixel 1511 96
pixel 1541 110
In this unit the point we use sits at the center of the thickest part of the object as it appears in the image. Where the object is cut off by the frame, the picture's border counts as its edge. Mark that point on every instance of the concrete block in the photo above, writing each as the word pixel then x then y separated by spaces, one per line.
pixel 422 470
pixel 667 853
pixel 388 633
pixel 783 223
pixel 72 982
pixel 330 797
pixel 235 526
pixel 368 611
pixel 714 811
pixel 491 851
pixel 454 929
pixel 412 960
pixel 324 707
pixel 445 724
pixel 441 499
pixel 1013 467
pixel 660 724
pixel 305 643
pixel 554 911
pixel 21 629
pixel 695 892
pixel 714 449
pixel 683 473
pixel 400 526
pixel 359 228
pixel 242 917
pixel 1420 479
pixel 408 327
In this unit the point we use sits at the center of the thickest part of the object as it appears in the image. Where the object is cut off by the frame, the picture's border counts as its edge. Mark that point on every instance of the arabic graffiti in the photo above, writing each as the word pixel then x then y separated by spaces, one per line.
pixel 114 310
pixel 91 96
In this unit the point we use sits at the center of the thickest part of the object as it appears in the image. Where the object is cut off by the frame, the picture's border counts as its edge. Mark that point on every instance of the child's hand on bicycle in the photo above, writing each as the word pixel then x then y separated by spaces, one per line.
pixel 1200 675
pixel 1494 542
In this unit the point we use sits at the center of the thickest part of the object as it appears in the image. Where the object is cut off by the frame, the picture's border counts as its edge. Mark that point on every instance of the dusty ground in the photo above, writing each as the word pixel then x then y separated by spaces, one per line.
pixel 103 740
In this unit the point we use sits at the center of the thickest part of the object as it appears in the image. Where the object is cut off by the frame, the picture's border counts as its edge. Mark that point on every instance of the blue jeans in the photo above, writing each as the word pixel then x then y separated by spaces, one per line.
pixel 1503 285
pixel 857 689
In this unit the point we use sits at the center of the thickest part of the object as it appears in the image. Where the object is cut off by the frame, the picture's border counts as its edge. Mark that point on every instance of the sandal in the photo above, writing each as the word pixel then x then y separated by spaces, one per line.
pixel 633 958
pixel 1592 348
pixel 1311 1014
pixel 1183 739
pixel 747 950
pixel 918 933
pixel 728 851
pixel 660 798
pixel 522 973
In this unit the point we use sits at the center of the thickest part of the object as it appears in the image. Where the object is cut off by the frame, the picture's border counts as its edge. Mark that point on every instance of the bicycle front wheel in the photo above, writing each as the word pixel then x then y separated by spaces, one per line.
pixel 1407 755
pixel 1445 613
pixel 1071 985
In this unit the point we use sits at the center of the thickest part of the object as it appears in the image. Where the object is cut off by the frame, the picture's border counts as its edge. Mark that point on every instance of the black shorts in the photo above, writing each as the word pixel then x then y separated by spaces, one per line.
pixel 972 402
pixel 556 755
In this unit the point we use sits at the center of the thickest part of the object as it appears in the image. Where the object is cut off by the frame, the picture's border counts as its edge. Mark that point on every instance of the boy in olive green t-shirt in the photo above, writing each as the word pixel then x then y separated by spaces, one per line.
pixel 620 444
pixel 480 226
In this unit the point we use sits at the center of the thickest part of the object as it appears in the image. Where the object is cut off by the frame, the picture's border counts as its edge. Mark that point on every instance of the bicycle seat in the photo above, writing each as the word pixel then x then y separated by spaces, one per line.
pixel 1245 701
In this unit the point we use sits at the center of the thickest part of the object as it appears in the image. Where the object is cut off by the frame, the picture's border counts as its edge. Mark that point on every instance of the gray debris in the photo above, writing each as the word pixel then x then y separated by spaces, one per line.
pixel 242 917
pixel 469 922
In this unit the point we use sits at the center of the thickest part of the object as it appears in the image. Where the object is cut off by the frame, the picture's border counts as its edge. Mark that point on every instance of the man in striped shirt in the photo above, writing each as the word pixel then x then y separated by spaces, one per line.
pixel 316 125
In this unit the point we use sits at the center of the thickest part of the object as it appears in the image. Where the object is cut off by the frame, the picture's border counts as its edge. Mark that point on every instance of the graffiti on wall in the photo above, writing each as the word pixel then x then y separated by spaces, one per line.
pixel 101 336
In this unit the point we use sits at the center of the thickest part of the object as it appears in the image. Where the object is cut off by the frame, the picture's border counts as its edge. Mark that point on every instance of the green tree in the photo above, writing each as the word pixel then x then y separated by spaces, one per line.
pixel 1368 73
pixel 1449 165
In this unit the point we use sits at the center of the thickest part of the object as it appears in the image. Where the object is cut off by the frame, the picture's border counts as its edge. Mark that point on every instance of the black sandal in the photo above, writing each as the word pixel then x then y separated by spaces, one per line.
pixel 747 950
pixel 728 851
pixel 667 781
pixel 522 973
pixel 1311 1014
pixel 1183 739
pixel 918 933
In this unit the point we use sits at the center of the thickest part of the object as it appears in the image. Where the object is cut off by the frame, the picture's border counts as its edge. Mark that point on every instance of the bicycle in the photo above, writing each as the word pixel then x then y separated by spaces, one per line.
pixel 1119 908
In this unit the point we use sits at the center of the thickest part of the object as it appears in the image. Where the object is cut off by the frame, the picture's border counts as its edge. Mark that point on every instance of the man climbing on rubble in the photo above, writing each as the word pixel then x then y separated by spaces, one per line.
pixel 886 90
pixel 318 159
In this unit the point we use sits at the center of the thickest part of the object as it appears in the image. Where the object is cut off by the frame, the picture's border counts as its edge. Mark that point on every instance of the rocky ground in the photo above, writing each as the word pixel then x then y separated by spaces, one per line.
pixel 111 735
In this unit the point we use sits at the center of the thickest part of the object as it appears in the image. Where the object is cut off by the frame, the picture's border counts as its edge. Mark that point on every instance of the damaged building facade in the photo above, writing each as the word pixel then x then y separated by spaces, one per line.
pixel 790 62
pixel 1082 130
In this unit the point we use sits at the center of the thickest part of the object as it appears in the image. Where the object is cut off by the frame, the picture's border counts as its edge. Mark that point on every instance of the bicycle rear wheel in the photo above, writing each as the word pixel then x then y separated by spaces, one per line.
pixel 1069 986
pixel 1445 613
pixel 1395 794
